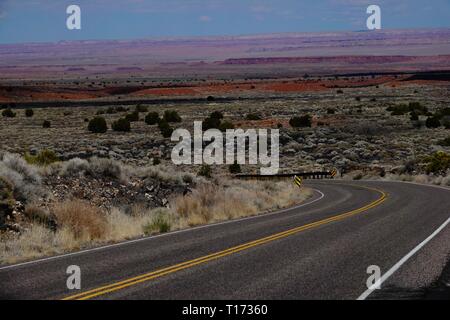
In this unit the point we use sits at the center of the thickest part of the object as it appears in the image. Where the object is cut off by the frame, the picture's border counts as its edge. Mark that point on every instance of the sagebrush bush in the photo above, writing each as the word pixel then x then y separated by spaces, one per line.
pixel 152 118
pixel 24 178
pixel 301 122
pixel 29 113
pixel 171 116
pixel 132 117
pixel 205 171
pixel 165 129
pixel 141 108
pixel 121 125
pixel 98 125
pixel 438 163
pixel 46 124
pixel 253 117
pixel 8 113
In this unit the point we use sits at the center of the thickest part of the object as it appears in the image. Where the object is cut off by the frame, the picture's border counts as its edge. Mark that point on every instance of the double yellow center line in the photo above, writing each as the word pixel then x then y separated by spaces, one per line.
pixel 191 263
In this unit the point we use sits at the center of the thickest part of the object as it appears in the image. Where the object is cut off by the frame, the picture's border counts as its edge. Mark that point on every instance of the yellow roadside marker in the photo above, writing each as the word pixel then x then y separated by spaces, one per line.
pixel 298 181
pixel 334 173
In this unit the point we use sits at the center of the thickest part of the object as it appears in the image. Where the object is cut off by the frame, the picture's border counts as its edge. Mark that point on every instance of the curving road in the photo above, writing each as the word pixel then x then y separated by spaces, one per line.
pixel 320 250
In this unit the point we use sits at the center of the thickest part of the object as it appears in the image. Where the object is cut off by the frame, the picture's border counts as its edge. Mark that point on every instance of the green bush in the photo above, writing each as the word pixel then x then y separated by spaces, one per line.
pixel 111 110
pixel 132 117
pixel 8 113
pixel 172 116
pixel 445 142
pixel 205 171
pixel 211 123
pixel 141 108
pixel 216 115
pixel 235 168
pixel 301 122
pixel 253 117
pixel 331 111
pixel 46 124
pixel 29 113
pixel 412 107
pixel 152 118
pixel 165 128
pixel 438 163
pixel 226 125
pixel 98 125
pixel 43 158
pixel 161 224
pixel 433 122
pixel 121 125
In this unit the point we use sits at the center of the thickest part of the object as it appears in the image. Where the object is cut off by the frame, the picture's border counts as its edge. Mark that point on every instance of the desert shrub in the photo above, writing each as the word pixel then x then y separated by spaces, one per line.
pixel 39 215
pixel 205 171
pixel 152 118
pixel 445 142
pixel 141 108
pixel 121 125
pixel 211 123
pixel 446 123
pixel 160 223
pixel 438 163
pixel 210 98
pixel 74 166
pixel 111 110
pixel 171 116
pixel 414 116
pixel 331 111
pixel 46 124
pixel 253 117
pixel 413 107
pixel 165 128
pixel 29 113
pixel 121 109
pixel 82 219
pixel 235 168
pixel 24 179
pixel 433 122
pixel 301 122
pixel 132 117
pixel 6 201
pixel 156 161
pixel 105 168
pixel 98 125
pixel 216 115
pixel 100 112
pixel 340 91
pixel 226 125
pixel 8 113
pixel 43 158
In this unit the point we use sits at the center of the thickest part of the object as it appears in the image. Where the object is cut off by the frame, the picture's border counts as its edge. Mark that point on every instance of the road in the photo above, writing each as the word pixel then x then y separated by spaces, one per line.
pixel 319 250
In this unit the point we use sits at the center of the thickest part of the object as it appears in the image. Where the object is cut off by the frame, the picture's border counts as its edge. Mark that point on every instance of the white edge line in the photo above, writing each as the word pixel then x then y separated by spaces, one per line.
pixel 397 266
pixel 322 195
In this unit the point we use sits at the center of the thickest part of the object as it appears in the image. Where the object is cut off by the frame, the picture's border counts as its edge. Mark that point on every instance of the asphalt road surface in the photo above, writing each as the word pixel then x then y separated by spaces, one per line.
pixel 320 250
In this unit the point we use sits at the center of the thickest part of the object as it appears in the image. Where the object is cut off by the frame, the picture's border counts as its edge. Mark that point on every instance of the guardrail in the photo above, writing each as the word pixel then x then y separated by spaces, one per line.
pixel 305 175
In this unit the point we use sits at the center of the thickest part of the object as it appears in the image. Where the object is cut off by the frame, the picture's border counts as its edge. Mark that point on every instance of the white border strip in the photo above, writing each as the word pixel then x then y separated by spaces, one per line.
pixel 397 266
pixel 322 195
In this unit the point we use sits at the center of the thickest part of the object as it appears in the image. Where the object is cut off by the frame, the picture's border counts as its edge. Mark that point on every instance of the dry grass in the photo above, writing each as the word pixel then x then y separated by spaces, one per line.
pixel 85 221
pixel 80 224
pixel 210 203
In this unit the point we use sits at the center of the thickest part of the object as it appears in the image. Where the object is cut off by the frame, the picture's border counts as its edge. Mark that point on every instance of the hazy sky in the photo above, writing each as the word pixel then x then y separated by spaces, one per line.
pixel 45 20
